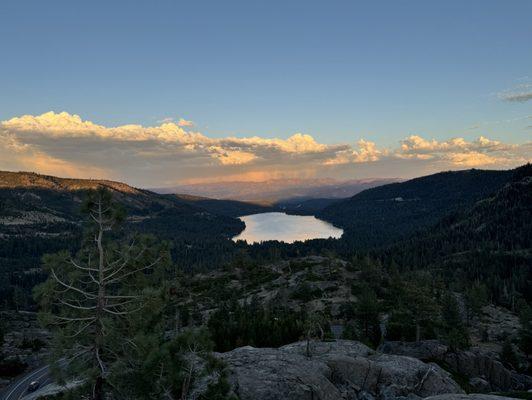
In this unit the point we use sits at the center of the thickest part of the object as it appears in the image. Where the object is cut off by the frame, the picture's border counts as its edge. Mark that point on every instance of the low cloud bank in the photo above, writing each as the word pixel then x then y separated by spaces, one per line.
pixel 66 145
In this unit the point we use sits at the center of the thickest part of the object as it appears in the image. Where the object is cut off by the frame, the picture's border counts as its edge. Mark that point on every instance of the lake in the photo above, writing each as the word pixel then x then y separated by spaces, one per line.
pixel 285 228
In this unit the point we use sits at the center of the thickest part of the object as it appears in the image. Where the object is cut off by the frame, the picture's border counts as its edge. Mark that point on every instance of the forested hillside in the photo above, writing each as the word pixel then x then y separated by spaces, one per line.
pixel 42 214
pixel 460 285
pixel 489 242
pixel 379 216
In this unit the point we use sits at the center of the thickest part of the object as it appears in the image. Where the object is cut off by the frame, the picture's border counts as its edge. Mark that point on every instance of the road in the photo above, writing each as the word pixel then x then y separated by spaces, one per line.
pixel 19 388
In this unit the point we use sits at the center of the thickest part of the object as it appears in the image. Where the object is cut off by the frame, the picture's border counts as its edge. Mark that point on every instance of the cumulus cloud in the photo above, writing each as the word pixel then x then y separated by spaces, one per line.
pixel 460 152
pixel 66 145
pixel 367 151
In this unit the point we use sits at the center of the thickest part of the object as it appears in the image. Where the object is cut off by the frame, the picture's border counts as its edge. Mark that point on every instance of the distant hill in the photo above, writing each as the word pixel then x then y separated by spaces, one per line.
pixel 275 190
pixel 305 206
pixel 30 201
pixel 230 208
pixel 380 215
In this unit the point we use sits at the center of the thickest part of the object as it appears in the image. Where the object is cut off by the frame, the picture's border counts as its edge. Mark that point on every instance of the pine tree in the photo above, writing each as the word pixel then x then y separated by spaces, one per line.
pixel 454 330
pixel 421 306
pixel 97 301
pixel 367 312
pixel 475 298
pixel 508 354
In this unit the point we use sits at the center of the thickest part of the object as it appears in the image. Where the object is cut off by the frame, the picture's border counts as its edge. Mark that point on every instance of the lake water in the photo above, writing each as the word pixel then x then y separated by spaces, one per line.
pixel 285 228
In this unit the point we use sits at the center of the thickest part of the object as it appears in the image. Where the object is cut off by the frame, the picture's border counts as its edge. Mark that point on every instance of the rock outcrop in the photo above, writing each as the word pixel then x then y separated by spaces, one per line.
pixel 468 397
pixel 424 350
pixel 333 371
pixel 476 364
pixel 486 373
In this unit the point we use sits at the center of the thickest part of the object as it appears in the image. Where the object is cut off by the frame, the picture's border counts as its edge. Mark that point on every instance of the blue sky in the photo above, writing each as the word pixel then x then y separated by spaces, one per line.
pixel 339 71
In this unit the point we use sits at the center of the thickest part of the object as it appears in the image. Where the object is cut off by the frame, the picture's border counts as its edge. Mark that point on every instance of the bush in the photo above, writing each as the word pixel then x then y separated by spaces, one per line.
pixel 305 292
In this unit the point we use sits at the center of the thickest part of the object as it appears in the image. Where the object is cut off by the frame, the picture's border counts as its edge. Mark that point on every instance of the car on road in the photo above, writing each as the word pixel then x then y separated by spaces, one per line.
pixel 33 386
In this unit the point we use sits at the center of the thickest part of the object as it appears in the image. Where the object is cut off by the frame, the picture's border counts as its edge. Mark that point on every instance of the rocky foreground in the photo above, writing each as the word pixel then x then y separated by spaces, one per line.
pixel 349 370
pixel 338 370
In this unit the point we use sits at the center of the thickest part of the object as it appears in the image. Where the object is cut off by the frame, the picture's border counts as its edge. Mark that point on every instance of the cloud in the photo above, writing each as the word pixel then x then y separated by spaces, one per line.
pixel 462 153
pixel 15 155
pixel 232 157
pixel 519 94
pixel 367 151
pixel 180 122
pixel 416 145
pixel 66 145
pixel 183 122
pixel 472 159
pixel 517 97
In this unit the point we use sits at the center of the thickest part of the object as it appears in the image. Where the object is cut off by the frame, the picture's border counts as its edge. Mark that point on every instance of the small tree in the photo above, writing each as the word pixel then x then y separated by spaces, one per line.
pixel 421 305
pixel 92 302
pixel 455 332
pixel 367 313
pixel 314 329
pixel 508 354
pixel 475 298
pixel 19 298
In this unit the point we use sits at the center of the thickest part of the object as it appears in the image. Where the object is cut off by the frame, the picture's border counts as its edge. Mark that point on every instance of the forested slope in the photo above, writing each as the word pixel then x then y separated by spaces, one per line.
pixel 489 242
pixel 387 213
pixel 42 214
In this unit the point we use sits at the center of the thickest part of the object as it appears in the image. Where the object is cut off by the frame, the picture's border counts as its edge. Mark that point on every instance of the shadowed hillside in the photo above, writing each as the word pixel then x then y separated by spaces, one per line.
pixel 42 214
pixel 380 215
pixel 489 242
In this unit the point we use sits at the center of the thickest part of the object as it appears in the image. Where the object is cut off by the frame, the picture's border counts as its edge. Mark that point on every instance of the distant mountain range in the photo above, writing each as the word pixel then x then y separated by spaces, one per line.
pixel 276 190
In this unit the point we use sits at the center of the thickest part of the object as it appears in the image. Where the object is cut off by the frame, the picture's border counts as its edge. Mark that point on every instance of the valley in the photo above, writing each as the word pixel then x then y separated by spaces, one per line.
pixel 437 270
pixel 265 200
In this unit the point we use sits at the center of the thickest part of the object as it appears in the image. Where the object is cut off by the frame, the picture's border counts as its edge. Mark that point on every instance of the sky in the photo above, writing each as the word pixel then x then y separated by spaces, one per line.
pixel 157 93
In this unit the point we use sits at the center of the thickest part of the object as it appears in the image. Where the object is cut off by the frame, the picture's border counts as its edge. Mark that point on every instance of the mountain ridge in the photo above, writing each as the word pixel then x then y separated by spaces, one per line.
pixel 276 190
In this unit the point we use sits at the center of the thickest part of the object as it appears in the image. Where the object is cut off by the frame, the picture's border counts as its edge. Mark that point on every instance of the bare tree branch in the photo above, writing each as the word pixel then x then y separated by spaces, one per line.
pixel 86 294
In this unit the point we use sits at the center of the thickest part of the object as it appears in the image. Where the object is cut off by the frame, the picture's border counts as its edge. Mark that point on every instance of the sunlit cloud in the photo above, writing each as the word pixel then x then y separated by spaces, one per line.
pixel 367 151
pixel 183 122
pixel 66 145
pixel 180 122
pixel 463 153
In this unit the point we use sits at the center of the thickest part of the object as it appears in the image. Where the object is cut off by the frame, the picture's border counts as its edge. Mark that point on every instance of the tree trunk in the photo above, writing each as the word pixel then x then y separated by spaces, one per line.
pixel 97 392
pixel 98 345
pixel 418 332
